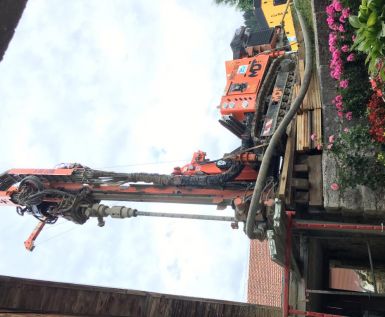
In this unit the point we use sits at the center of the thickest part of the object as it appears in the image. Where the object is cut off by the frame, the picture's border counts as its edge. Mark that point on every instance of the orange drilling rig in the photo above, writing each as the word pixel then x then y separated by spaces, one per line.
pixel 257 96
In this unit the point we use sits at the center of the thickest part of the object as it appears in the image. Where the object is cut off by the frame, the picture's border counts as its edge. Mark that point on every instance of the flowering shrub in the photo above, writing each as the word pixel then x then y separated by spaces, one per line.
pixel 358 158
pixel 346 67
pixel 376 116
pixel 359 151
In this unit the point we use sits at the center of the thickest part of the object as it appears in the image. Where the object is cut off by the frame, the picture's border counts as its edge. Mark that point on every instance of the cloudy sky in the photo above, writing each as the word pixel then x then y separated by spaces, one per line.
pixel 129 86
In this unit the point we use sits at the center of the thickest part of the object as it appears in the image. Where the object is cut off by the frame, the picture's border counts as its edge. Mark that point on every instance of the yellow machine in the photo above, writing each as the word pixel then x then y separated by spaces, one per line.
pixel 269 14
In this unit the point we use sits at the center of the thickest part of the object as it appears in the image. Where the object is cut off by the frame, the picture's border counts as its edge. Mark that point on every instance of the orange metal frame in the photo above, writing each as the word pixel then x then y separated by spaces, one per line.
pixel 136 192
pixel 248 72
pixel 199 164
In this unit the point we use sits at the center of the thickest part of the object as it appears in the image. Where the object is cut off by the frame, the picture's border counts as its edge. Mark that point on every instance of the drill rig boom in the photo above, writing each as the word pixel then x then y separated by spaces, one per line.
pixel 257 96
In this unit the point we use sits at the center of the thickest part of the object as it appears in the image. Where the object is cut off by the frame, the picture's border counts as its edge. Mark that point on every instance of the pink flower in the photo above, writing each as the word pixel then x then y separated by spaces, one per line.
pixel 336 73
pixel 335 186
pixel 338 6
pixel 346 130
pixel 313 136
pixel 329 147
pixel 331 138
pixel 330 22
pixel 336 54
pixel 342 19
pixel 330 9
pixel 338 98
pixel 345 48
pixel 344 83
pixel 348 116
pixel 351 57
pixel 345 13
pixel 340 114
pixel 353 37
pixel 319 146
pixel 339 106
pixel 332 39
pixel 341 28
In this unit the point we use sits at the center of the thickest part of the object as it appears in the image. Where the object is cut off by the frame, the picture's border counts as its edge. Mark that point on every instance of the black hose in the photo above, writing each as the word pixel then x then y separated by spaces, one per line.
pixel 173 180
pixel 255 204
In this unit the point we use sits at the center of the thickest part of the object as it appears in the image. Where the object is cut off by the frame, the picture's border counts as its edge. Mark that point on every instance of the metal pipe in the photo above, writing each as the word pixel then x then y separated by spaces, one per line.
pixel 338 227
pixel 312 314
pixel 183 216
pixel 286 307
pixel 255 204
pixel 101 211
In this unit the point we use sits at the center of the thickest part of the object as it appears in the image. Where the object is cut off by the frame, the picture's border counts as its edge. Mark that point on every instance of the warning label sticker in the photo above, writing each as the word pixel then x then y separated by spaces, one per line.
pixel 242 69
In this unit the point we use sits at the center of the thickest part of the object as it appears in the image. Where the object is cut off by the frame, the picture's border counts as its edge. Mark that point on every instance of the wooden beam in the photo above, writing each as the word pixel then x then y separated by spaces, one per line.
pixel 301 168
pixel 284 191
pixel 315 180
pixel 300 183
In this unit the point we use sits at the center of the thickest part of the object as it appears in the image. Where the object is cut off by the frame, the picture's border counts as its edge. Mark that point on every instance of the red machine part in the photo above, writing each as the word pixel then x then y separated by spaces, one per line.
pixel 69 180
pixel 200 165
pixel 39 171
pixel 29 243
pixel 5 197
pixel 338 226
pixel 296 312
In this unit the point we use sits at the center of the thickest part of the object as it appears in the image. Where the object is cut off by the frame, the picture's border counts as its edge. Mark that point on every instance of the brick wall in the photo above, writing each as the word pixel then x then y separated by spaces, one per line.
pixel 265 277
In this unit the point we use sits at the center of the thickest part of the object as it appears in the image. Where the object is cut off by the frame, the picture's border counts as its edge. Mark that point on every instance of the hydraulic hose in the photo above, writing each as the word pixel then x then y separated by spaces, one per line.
pixel 171 180
pixel 255 204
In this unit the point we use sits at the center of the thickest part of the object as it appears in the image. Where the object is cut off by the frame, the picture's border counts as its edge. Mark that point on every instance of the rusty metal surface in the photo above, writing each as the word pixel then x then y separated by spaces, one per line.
pixel 18 295
pixel 10 13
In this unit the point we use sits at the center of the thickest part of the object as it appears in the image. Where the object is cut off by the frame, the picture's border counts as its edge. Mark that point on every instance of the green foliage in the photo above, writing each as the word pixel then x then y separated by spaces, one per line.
pixel 370 34
pixel 250 20
pixel 353 5
pixel 243 5
pixel 306 11
pixel 357 94
pixel 358 159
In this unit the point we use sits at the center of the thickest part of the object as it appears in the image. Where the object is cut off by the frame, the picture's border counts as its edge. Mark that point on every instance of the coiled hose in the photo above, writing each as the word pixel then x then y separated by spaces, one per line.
pixel 255 204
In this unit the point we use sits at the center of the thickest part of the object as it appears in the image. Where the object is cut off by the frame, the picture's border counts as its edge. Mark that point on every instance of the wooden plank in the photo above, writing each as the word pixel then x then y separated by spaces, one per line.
pixel 301 70
pixel 306 135
pixel 299 142
pixel 284 185
pixel 315 180
pixel 308 126
pixel 300 183
pixel 313 128
pixel 302 131
pixel 301 197
pixel 318 104
pixel 310 94
pixel 301 168
pixel 319 122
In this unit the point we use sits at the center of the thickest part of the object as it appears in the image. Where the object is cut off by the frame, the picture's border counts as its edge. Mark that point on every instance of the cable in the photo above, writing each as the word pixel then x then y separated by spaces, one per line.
pixel 142 164
pixel 57 235
pixel 255 205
